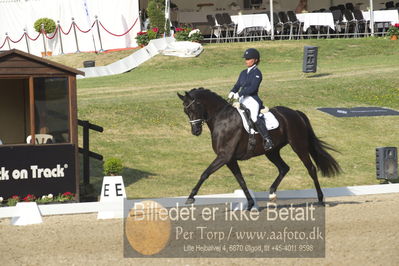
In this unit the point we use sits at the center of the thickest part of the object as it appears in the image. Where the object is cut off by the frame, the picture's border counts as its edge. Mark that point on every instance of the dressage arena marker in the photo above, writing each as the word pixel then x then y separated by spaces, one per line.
pixel 26 213
pixel 358 111
pixel 112 196
pixel 116 206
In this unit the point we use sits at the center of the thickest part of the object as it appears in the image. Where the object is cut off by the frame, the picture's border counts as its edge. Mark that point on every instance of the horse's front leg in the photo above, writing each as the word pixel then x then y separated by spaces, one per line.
pixel 213 167
pixel 235 169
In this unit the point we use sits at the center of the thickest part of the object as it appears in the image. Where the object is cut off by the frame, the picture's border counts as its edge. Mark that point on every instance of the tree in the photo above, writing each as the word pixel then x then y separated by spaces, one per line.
pixel 156 13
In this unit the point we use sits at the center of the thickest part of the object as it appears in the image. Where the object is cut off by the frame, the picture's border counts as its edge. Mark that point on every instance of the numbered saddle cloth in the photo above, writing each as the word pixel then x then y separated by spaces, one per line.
pixel 271 121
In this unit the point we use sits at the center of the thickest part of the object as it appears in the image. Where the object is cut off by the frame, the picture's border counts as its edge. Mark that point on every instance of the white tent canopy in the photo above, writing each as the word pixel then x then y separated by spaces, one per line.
pixel 273 6
pixel 279 5
pixel 116 16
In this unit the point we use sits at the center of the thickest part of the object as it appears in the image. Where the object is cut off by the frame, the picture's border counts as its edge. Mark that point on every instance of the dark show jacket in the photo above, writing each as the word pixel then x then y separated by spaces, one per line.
pixel 249 84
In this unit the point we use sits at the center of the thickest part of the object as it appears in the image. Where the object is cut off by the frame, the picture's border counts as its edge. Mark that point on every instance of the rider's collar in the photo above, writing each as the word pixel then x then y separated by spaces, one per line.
pixel 250 68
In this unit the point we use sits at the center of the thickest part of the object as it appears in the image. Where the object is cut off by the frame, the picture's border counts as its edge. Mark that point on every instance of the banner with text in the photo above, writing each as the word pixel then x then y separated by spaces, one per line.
pixel 288 228
pixel 37 170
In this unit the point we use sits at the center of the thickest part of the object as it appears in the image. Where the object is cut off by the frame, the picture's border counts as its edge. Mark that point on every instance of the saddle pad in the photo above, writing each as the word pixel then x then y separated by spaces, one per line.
pixel 271 121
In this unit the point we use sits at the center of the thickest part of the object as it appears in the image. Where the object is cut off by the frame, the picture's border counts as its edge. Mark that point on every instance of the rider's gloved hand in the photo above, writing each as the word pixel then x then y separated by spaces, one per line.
pixel 236 96
pixel 231 95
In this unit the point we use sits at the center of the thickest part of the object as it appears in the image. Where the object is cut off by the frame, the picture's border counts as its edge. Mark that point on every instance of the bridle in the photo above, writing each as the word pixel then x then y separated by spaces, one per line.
pixel 202 120
pixel 195 121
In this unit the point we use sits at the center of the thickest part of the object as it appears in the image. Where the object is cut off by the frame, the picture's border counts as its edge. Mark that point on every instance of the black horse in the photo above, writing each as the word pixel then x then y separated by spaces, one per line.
pixel 230 140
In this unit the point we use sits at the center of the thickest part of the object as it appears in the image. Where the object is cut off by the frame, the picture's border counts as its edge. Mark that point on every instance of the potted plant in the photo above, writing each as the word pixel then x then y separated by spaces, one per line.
pixel 13 200
pixel 113 167
pixel 49 26
pixel 188 34
pixel 181 34
pixel 65 197
pixel 29 198
pixel 144 37
pixel 45 199
pixel 393 32
pixel 195 36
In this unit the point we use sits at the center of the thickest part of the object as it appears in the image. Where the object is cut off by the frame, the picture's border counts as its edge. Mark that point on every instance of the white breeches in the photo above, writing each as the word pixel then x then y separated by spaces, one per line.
pixel 252 105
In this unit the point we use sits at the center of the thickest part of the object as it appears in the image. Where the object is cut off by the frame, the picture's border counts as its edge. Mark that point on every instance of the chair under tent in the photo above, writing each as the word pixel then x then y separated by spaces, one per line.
pixel 361 22
pixel 213 27
pixel 285 23
pixel 389 5
pixel 338 20
pixel 278 25
pixel 295 24
pixel 351 25
pixel 229 24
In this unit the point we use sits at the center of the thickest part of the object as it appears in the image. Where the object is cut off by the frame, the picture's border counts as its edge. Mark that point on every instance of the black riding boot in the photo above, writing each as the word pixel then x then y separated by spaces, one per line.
pixel 261 127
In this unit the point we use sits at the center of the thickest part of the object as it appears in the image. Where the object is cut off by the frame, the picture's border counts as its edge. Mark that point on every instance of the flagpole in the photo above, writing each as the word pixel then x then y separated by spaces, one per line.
pixel 271 20
pixel 167 17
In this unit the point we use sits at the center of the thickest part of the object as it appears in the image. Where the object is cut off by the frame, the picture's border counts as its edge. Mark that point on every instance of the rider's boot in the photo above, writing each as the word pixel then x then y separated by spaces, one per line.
pixel 261 127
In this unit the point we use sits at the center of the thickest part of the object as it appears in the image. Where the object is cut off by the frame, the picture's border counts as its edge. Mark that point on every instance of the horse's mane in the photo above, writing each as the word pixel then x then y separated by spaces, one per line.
pixel 206 94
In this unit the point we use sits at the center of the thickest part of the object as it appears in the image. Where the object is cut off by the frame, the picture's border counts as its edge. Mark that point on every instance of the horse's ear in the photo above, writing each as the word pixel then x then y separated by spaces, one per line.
pixel 180 96
pixel 188 95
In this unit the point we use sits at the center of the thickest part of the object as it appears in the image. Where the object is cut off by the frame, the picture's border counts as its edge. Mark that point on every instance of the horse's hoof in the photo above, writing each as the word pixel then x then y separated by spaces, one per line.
pixel 250 206
pixel 253 209
pixel 190 201
pixel 273 197
pixel 321 203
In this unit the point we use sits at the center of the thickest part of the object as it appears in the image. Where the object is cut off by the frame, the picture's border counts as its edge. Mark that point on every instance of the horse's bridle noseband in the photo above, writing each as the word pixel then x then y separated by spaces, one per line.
pixel 196 121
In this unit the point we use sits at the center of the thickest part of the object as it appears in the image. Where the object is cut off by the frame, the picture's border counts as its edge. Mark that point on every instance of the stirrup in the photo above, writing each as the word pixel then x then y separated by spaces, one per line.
pixel 267 144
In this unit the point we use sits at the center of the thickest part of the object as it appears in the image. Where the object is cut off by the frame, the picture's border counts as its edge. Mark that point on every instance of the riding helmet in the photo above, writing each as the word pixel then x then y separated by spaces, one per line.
pixel 251 53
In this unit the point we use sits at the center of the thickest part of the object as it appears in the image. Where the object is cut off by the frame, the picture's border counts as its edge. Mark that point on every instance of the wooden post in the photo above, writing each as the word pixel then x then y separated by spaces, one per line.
pixel 73 129
pixel 86 150
pixel 32 110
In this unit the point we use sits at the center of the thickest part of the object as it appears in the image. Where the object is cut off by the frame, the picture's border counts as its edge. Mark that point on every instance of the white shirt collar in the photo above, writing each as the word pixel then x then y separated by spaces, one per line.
pixel 250 68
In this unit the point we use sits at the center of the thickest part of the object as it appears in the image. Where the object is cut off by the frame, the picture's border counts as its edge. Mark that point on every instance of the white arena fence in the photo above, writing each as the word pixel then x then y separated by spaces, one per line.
pixel 82 25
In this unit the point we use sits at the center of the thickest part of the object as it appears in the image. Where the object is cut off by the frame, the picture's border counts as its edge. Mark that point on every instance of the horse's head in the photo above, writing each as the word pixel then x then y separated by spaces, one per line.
pixel 195 112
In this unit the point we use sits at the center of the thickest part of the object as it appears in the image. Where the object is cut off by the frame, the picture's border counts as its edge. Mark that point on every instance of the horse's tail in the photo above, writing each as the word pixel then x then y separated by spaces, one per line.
pixel 318 150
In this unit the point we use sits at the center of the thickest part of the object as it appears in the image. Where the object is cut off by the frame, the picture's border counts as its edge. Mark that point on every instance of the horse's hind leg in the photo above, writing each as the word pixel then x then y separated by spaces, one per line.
pixel 313 173
pixel 235 169
pixel 283 168
pixel 303 154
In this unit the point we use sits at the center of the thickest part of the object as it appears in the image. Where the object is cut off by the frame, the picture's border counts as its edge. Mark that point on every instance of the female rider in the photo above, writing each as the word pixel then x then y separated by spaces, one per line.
pixel 246 91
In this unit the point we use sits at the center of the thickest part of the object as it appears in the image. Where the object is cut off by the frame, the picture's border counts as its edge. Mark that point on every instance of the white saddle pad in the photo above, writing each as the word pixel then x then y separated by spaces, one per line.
pixel 271 121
